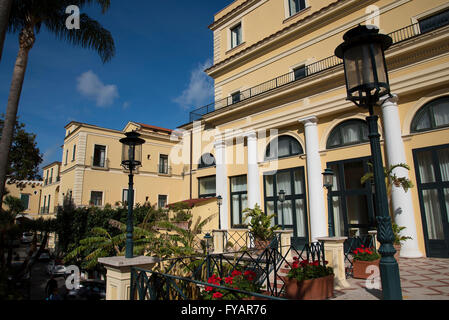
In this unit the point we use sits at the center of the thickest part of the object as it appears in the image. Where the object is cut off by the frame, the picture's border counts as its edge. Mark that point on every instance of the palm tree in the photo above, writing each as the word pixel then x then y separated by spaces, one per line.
pixel 28 17
pixel 5 9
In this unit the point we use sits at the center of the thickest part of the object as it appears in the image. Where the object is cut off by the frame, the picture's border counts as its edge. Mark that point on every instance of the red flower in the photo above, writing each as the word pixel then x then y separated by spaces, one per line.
pixel 304 263
pixel 228 280
pixel 326 263
pixel 295 258
pixel 316 263
pixel 295 265
pixel 217 295
pixel 363 246
pixel 209 289
pixel 250 275
pixel 236 273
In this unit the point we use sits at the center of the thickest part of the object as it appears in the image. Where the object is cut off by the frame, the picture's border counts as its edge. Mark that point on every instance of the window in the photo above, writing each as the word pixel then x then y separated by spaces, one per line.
pixel 283 146
pixel 431 116
pixel 348 133
pixel 99 159
pixel 74 153
pixel 66 157
pixel 48 204
pixel 96 198
pixel 300 72
pixel 239 200
pixel 296 5
pixel 45 201
pixel 51 177
pixel 25 198
pixel 207 160
pixel 125 196
pixel 235 97
pixel 434 22
pixel 162 201
pixel 236 35
pixel 163 164
pixel 206 187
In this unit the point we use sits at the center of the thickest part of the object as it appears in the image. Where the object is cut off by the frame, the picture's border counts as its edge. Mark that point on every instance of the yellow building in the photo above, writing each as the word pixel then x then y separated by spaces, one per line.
pixel 91 174
pixel 28 191
pixel 280 117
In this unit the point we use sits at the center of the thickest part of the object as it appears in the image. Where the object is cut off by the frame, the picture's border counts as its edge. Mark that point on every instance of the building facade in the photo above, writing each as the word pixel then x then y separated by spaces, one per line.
pixel 280 117
pixel 30 192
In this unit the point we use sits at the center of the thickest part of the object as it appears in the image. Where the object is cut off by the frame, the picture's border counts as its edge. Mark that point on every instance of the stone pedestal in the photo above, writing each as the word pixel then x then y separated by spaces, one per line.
pixel 335 255
pixel 118 276
pixel 219 240
pixel 285 243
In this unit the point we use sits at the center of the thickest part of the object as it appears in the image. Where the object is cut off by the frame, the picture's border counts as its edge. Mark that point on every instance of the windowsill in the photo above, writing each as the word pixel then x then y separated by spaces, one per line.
pixel 235 48
pixel 204 168
pixel 297 14
pixel 99 168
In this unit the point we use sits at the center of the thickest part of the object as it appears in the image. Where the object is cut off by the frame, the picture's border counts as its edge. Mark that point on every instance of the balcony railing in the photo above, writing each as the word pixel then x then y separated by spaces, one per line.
pixel 164 168
pixel 101 165
pixel 398 36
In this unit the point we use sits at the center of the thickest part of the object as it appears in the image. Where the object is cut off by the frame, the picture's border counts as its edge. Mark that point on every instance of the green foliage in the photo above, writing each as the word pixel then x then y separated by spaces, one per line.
pixel 390 177
pixel 244 280
pixel 24 155
pixel 182 212
pixel 15 205
pixel 398 238
pixel 260 223
pixel 306 271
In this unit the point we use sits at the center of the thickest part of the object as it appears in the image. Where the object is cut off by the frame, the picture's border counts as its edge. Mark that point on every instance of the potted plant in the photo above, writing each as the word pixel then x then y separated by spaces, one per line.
pixel 260 227
pixel 398 239
pixel 363 258
pixel 240 280
pixel 182 215
pixel 309 281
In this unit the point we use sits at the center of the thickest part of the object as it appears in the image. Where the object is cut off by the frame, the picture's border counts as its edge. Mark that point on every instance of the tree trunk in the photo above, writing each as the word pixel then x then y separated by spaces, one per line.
pixel 5 9
pixel 26 42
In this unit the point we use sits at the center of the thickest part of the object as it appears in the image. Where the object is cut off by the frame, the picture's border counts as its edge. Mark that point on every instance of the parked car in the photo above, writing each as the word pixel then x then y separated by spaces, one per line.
pixel 27 237
pixel 56 270
pixel 88 290
pixel 45 256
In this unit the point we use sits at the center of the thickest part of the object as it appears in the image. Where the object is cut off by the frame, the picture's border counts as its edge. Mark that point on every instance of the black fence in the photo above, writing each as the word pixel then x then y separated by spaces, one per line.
pixel 398 36
pixel 186 278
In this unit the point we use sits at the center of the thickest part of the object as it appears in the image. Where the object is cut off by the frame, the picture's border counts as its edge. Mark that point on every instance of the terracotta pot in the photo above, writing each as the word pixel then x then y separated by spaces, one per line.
pixel 359 268
pixel 313 289
pixel 261 245
pixel 397 247
pixel 182 224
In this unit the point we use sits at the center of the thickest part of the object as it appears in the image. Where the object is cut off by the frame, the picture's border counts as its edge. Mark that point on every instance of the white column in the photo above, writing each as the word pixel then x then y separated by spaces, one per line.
pixel 221 181
pixel 253 171
pixel 315 191
pixel 401 200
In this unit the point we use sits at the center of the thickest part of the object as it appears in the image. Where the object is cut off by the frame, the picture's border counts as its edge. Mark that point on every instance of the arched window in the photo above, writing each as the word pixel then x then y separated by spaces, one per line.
pixel 348 133
pixel 286 146
pixel 433 115
pixel 207 160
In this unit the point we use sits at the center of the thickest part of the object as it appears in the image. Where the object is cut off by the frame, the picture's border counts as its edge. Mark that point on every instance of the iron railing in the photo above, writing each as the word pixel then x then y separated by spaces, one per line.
pixel 398 36
pixel 185 277
pixel 351 244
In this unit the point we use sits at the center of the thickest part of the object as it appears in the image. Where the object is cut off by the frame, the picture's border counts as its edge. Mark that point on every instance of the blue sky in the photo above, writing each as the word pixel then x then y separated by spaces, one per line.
pixel 156 76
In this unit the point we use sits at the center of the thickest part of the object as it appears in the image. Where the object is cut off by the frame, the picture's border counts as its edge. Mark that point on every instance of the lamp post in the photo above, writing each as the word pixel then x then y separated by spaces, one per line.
pixel 131 159
pixel 366 82
pixel 281 200
pixel 328 182
pixel 219 203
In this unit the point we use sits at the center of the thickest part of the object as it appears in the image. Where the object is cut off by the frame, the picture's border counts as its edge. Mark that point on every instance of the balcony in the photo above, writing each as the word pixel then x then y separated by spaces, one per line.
pixel 398 36
pixel 164 169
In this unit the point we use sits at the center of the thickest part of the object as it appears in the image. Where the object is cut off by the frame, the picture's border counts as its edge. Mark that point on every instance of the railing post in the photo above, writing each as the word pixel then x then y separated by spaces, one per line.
pixel 219 236
pixel 118 276
pixel 335 255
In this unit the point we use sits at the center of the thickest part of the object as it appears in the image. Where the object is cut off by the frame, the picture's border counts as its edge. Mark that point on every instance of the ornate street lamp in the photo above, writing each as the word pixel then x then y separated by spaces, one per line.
pixel 219 203
pixel 281 200
pixel 131 159
pixel 366 82
pixel 328 183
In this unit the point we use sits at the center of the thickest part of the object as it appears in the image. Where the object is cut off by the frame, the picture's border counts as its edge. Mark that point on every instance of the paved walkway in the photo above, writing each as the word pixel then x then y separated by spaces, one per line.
pixel 421 279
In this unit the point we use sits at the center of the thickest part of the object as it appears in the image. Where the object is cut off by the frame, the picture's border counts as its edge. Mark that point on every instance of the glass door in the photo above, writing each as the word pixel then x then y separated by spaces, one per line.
pixel 432 174
pixel 291 214
pixel 352 213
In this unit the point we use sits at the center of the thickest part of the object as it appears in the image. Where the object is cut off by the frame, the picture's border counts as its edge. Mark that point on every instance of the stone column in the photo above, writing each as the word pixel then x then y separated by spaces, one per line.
pixel 118 276
pixel 221 181
pixel 335 255
pixel 401 201
pixel 314 180
pixel 253 171
pixel 219 240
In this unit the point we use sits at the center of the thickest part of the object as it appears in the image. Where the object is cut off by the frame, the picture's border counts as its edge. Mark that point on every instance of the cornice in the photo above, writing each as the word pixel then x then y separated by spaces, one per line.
pixel 245 5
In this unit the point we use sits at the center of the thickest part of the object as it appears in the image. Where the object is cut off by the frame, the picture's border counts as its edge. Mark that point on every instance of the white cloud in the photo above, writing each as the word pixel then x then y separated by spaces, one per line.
pixel 126 105
pixel 200 90
pixel 90 86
